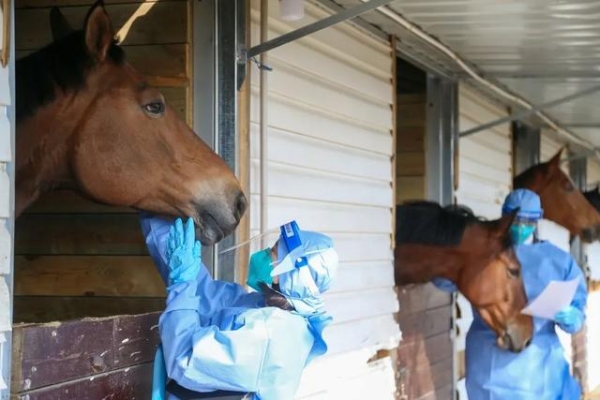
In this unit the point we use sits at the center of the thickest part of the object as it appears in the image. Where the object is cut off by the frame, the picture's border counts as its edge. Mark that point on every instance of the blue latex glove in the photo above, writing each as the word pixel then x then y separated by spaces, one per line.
pixel 183 252
pixel 569 319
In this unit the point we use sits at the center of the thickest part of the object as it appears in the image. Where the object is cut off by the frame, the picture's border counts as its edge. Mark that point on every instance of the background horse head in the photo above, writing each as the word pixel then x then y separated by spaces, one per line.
pixel 562 202
pixel 87 120
pixel 476 255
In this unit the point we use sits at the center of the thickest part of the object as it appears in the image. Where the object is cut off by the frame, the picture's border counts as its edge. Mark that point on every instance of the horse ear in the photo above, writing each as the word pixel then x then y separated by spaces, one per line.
pixel 98 31
pixel 58 24
pixel 554 162
pixel 503 224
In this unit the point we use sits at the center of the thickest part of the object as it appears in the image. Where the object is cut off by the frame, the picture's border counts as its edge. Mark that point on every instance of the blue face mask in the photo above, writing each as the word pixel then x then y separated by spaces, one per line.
pixel 520 232
pixel 260 269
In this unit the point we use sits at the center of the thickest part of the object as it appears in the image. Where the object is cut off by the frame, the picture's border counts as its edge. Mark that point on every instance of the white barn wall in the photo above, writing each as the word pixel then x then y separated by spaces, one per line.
pixel 329 153
pixel 485 178
pixel 7 136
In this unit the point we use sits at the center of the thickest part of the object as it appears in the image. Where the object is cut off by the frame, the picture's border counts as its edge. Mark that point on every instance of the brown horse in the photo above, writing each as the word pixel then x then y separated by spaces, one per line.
pixel 476 255
pixel 562 202
pixel 87 120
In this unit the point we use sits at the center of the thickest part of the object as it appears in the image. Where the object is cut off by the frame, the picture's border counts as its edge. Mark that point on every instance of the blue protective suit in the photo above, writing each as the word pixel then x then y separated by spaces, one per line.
pixel 216 336
pixel 540 372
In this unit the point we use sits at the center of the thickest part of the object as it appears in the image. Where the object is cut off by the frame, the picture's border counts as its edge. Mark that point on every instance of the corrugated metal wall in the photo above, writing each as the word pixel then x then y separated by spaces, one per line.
pixel 6 216
pixel 329 152
pixel 485 178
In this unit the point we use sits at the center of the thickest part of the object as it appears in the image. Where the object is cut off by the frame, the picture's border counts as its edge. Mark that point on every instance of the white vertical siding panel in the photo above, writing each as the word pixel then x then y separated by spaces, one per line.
pixel 593 340
pixel 593 173
pixel 329 153
pixel 6 217
pixel 485 178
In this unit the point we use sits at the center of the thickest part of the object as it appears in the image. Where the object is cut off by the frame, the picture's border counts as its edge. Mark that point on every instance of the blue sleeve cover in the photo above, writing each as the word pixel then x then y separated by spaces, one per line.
pixel 573 271
pixel 445 285
pixel 220 293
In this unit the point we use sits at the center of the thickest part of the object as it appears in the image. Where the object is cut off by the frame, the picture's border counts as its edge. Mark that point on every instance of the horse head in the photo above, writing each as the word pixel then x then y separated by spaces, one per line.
pixel 491 280
pixel 562 202
pixel 86 119
pixel 476 255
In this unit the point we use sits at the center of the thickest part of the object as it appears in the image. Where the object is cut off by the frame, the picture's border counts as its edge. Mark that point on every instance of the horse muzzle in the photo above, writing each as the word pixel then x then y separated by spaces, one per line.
pixel 513 340
pixel 216 220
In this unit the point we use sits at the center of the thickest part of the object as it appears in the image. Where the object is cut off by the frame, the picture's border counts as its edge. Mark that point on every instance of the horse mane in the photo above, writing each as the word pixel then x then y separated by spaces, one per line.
pixel 61 65
pixel 525 176
pixel 428 223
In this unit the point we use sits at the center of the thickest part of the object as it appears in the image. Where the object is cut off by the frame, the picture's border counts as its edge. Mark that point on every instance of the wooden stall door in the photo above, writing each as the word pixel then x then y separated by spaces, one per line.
pixel 75 258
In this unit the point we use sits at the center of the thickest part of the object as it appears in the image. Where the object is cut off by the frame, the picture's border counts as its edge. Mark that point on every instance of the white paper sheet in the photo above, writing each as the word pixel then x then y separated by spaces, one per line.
pixel 556 296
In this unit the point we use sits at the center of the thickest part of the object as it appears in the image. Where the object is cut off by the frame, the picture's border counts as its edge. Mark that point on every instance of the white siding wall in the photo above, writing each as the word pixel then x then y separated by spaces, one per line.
pixel 485 178
pixel 329 154
pixel 6 220
pixel 593 173
pixel 593 308
pixel 593 340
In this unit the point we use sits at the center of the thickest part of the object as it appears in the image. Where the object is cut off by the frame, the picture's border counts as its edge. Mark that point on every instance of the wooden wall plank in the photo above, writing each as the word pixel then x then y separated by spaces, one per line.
pixel 47 354
pixel 411 163
pixel 33 309
pixel 412 115
pixel 427 323
pixel 19 4
pixel 417 298
pixel 411 138
pixel 164 23
pixel 410 188
pixel 67 201
pixel 91 234
pixel 161 63
pixel 129 276
pixel 126 383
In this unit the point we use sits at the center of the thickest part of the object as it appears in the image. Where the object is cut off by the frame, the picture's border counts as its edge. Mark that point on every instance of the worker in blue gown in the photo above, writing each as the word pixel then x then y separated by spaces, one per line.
pixel 218 337
pixel 540 372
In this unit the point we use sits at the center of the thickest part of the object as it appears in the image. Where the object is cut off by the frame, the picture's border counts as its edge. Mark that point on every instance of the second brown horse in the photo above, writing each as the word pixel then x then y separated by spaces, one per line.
pixel 476 255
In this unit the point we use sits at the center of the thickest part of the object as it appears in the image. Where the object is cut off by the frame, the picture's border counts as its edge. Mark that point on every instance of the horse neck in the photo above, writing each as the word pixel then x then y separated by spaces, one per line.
pixel 42 147
pixel 421 263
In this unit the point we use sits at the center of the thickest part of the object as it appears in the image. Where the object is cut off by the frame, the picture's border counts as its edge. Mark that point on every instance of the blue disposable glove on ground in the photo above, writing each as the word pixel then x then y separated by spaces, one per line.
pixel 569 319
pixel 183 252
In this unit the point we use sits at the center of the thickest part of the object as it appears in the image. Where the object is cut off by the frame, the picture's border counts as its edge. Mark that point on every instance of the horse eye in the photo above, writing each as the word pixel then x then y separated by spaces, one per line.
pixel 569 187
pixel 155 109
pixel 514 272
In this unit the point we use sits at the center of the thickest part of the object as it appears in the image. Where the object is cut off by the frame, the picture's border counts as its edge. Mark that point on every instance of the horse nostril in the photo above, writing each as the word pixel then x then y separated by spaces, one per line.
pixel 241 205
pixel 527 343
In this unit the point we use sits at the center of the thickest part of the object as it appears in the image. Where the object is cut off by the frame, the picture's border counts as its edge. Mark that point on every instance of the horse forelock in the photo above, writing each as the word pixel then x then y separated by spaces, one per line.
pixel 428 223
pixel 61 65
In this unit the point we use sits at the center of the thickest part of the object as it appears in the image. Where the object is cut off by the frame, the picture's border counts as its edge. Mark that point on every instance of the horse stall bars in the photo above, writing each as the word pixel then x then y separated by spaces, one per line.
pixel 424 357
pixel 85 263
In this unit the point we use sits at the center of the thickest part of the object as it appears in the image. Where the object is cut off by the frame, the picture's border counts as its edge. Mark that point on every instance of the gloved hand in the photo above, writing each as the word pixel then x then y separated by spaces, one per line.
pixel 569 319
pixel 183 252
